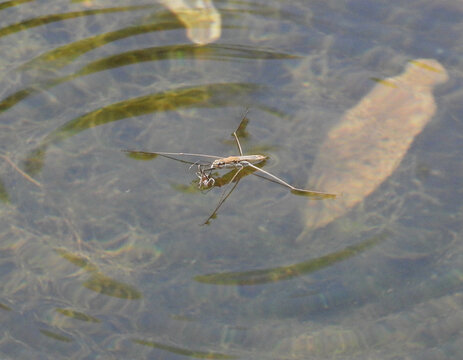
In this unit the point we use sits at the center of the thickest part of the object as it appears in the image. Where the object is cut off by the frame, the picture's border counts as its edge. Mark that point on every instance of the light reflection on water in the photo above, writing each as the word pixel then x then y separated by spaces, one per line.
pixel 102 255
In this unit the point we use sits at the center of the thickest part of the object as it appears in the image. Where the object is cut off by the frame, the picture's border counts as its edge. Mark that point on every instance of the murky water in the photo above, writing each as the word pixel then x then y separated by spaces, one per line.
pixel 102 255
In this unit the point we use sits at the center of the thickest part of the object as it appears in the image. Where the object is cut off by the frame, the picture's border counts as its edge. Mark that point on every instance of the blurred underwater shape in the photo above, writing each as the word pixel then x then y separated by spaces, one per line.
pixel 370 141
pixel 201 19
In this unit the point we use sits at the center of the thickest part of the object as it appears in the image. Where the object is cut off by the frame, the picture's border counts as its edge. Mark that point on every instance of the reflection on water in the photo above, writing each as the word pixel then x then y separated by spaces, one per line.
pixel 7 4
pixel 55 336
pixel 102 256
pixel 184 352
pixel 287 272
pixel 186 51
pixel 99 282
pixel 65 54
pixel 77 315
pixel 40 21
pixel 3 193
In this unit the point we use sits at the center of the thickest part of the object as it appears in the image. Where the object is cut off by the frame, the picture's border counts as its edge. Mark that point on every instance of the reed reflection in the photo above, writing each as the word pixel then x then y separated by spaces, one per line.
pixel 210 96
pixel 99 282
pixel 47 19
pixel 281 273
pixel 159 53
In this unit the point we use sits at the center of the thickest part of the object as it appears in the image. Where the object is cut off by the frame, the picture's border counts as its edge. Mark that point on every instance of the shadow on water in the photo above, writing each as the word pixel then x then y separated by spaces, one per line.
pixel 290 271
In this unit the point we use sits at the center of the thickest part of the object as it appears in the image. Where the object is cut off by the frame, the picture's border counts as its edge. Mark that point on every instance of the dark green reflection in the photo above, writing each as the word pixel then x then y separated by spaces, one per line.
pixel 5 307
pixel 184 352
pixel 8 4
pixel 55 336
pixel 212 95
pixel 287 272
pixel 77 315
pixel 99 282
pixel 186 189
pixel 77 260
pixel 13 99
pixel 186 51
pixel 105 285
pixel 141 155
pixel 43 20
pixel 65 54
pixel 4 197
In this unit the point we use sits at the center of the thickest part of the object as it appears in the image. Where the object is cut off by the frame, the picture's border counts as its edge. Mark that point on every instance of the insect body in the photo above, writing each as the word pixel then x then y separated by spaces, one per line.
pixel 205 179
pixel 237 162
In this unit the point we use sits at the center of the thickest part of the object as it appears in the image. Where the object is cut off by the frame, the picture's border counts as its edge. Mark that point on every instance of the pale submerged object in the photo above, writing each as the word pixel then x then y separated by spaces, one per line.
pixel 202 20
pixel 370 141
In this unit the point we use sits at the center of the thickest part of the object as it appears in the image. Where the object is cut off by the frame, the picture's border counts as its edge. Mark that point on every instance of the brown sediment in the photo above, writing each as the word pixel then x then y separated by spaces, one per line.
pixel 371 139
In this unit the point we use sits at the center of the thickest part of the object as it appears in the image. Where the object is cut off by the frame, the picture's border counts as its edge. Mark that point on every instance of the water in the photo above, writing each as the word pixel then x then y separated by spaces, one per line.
pixel 101 255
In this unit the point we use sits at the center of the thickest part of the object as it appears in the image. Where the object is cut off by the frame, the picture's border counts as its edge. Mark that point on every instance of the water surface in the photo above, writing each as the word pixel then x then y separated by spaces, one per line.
pixel 102 254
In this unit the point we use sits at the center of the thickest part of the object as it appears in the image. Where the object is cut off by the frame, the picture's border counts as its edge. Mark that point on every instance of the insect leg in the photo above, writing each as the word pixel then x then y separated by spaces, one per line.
pixel 294 189
pixel 223 197
pixel 238 143
pixel 241 128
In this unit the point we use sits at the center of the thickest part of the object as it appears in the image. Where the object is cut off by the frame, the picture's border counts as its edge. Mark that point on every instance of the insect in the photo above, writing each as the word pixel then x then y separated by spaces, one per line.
pixel 238 163
pixel 205 179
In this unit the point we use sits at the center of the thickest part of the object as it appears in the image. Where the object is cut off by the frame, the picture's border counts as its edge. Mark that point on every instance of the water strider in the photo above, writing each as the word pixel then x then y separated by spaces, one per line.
pixel 236 162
